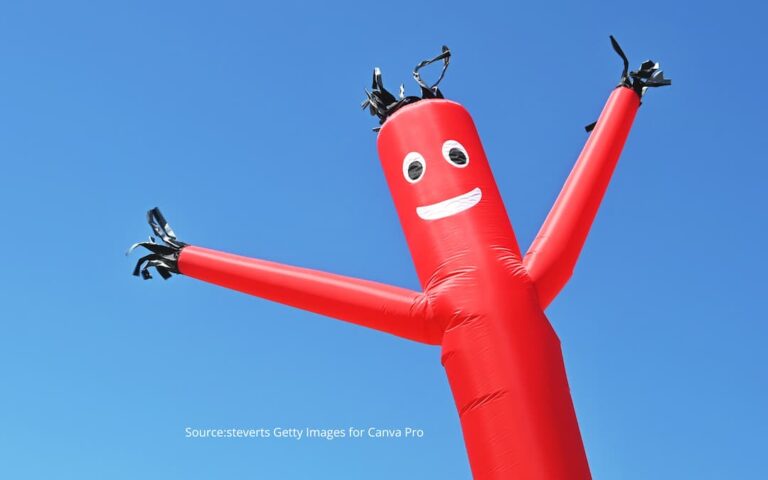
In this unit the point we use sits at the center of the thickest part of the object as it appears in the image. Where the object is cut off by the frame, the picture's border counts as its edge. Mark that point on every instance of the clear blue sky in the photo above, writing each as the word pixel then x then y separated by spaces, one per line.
pixel 242 123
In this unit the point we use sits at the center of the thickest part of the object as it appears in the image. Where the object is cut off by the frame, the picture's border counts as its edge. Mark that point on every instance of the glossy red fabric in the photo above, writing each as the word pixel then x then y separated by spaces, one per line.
pixel 501 356
pixel 481 301
pixel 394 310
pixel 553 254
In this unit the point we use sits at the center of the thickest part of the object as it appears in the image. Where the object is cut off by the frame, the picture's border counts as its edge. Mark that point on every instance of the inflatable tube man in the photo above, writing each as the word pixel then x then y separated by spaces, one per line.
pixel 482 301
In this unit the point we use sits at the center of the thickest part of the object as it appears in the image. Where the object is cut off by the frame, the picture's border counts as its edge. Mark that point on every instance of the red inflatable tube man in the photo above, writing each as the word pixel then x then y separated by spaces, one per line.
pixel 483 302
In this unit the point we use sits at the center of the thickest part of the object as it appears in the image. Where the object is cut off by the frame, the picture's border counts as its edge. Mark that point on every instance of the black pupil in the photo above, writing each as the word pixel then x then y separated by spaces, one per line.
pixel 415 169
pixel 457 156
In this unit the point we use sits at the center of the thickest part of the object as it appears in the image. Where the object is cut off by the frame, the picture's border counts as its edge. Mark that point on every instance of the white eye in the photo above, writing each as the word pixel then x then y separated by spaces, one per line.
pixel 414 167
pixel 455 154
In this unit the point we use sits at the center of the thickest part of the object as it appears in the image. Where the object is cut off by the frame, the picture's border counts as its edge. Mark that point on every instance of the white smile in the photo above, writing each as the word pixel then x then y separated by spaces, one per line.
pixel 452 206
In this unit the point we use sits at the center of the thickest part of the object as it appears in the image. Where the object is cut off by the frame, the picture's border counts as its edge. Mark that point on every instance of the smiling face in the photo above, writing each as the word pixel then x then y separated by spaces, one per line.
pixel 442 185
pixel 414 170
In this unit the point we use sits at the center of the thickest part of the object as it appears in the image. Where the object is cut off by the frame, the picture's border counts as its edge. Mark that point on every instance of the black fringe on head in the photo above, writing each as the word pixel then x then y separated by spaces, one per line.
pixel 382 104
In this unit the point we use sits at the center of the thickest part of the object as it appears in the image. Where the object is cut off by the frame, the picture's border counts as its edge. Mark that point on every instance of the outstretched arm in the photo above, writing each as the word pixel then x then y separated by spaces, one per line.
pixel 553 254
pixel 394 310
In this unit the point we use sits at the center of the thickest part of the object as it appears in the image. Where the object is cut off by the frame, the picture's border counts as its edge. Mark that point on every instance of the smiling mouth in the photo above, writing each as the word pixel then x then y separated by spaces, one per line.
pixel 452 206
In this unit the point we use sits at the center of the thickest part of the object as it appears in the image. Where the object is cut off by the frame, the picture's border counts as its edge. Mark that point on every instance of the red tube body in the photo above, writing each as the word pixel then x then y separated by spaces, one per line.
pixel 502 358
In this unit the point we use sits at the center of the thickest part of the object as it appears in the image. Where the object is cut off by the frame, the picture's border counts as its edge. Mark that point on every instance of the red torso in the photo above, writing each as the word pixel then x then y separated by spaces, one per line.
pixel 502 358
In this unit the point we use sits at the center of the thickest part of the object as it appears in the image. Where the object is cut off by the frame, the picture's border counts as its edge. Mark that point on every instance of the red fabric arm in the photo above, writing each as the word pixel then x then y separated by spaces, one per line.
pixel 393 310
pixel 553 254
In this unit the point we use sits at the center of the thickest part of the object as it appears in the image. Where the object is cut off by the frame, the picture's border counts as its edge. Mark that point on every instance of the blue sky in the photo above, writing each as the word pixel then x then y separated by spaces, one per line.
pixel 242 123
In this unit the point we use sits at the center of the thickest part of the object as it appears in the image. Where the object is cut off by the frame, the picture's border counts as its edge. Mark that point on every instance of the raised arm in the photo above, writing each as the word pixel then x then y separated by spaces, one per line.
pixel 553 254
pixel 393 310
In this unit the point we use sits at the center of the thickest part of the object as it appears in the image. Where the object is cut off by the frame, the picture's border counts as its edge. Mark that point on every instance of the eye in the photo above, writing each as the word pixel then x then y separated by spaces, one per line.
pixel 414 167
pixel 455 154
